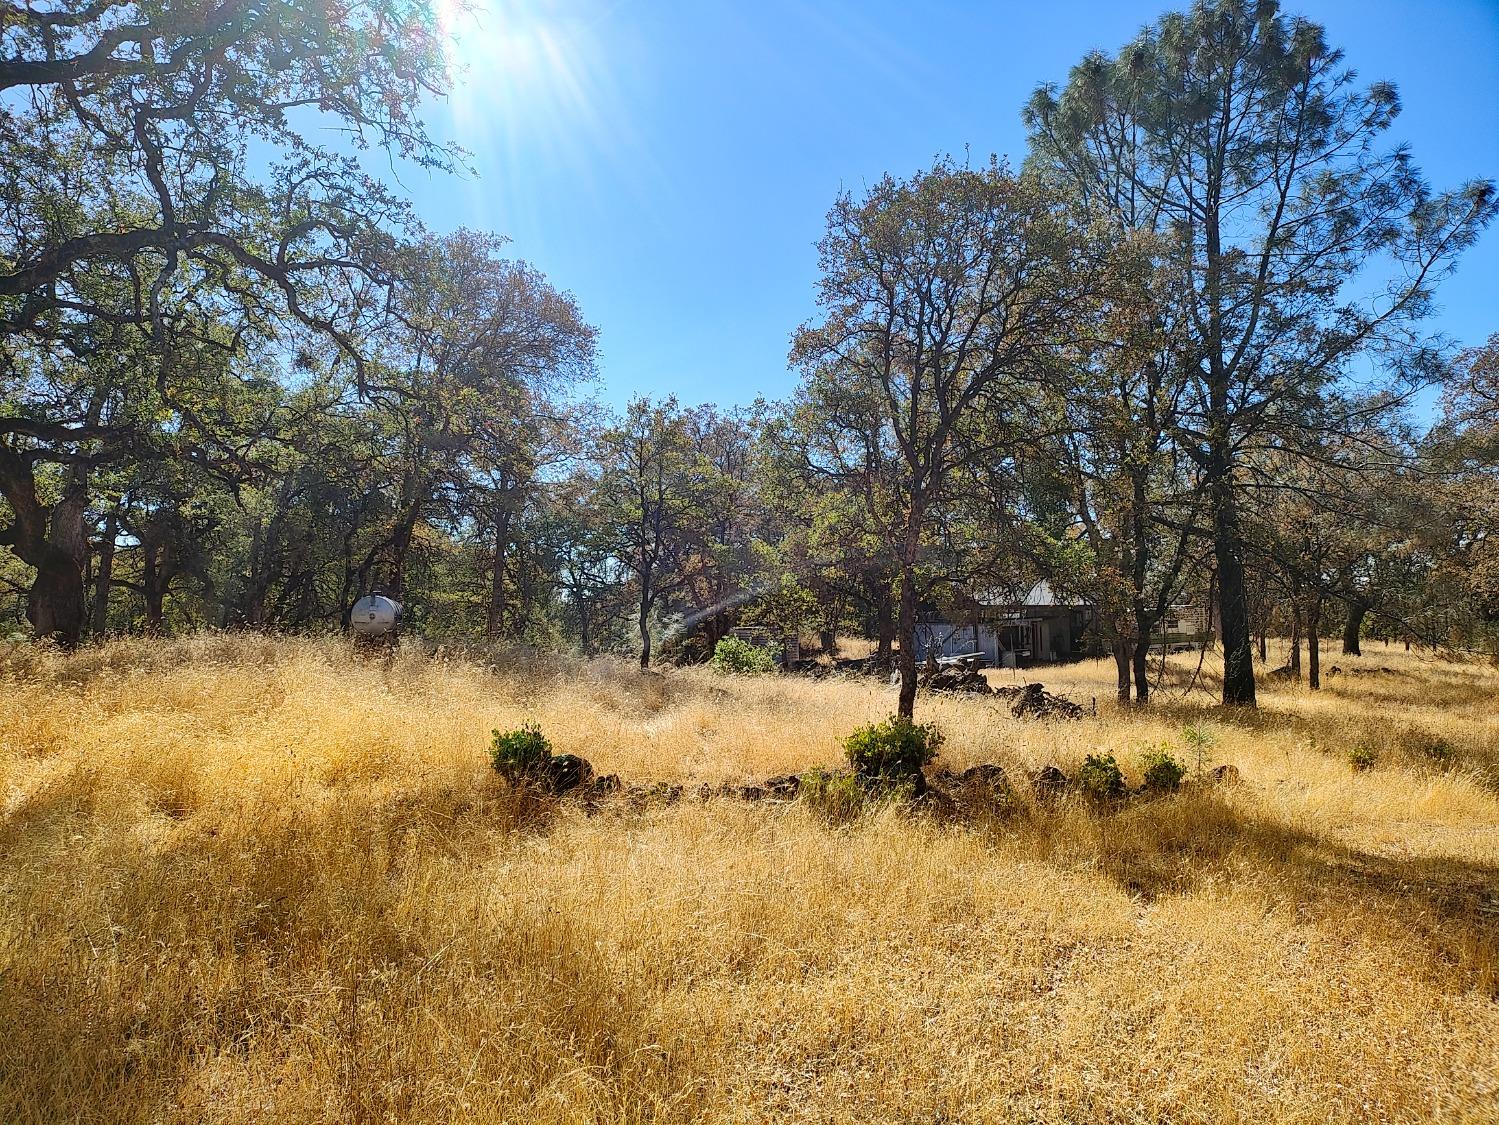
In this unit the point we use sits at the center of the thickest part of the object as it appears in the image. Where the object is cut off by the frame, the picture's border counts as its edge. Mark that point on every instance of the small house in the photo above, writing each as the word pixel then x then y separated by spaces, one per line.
pixel 1183 628
pixel 1041 627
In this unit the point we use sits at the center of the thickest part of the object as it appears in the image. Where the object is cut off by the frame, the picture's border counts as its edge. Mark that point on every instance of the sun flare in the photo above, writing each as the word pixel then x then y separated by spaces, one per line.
pixel 518 61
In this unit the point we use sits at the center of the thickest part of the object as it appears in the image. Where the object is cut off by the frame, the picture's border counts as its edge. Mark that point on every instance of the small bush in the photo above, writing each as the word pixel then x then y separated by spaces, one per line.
pixel 896 748
pixel 1200 742
pixel 1163 773
pixel 1362 758
pixel 519 753
pixel 736 657
pixel 835 798
pixel 1100 777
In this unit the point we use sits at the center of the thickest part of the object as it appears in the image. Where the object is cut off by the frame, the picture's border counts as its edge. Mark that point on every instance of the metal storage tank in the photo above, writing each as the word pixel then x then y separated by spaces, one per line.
pixel 374 615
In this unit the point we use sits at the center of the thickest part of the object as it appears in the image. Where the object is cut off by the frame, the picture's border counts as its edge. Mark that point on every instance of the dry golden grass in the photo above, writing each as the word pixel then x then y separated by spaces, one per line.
pixel 248 879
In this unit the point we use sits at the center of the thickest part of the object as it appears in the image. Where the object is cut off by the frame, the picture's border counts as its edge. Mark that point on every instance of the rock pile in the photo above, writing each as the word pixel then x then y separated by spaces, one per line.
pixel 1035 702
pixel 982 790
pixel 958 679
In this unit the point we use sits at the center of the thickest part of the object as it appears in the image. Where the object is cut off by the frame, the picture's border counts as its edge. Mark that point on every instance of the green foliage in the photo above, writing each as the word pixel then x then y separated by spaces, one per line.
pixel 1163 773
pixel 1100 777
pixel 785 607
pixel 895 748
pixel 837 798
pixel 1200 741
pixel 733 656
pixel 840 798
pixel 1362 757
pixel 517 753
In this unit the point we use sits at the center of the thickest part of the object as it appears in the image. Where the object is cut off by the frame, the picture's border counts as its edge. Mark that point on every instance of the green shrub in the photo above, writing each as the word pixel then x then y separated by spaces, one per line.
pixel 1163 773
pixel 1200 742
pixel 518 753
pixel 1362 758
pixel 733 656
pixel 1100 777
pixel 896 748
pixel 834 797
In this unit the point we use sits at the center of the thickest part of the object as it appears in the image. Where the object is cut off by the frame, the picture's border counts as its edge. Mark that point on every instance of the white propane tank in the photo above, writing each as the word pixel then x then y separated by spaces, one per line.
pixel 374 615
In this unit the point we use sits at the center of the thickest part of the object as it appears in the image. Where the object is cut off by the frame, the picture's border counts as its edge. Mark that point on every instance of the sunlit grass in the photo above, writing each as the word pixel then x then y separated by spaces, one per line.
pixel 247 879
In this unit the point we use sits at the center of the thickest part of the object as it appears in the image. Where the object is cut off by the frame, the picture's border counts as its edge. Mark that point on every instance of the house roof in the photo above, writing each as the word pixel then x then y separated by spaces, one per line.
pixel 1040 596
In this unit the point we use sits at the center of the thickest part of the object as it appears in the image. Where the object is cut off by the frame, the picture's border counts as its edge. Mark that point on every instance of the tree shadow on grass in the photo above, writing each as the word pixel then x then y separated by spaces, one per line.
pixel 1447 908
pixel 1393 738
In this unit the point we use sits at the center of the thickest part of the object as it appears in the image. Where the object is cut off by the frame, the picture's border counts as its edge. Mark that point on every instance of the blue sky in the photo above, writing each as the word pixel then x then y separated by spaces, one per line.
pixel 671 162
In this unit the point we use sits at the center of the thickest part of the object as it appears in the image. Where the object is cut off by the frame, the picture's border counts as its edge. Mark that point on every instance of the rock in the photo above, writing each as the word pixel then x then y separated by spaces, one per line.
pixel 1048 783
pixel 661 793
pixel 1225 775
pixel 984 790
pixel 936 803
pixel 784 787
pixel 1038 703
pixel 565 772
pixel 959 680
pixel 986 776
pixel 885 785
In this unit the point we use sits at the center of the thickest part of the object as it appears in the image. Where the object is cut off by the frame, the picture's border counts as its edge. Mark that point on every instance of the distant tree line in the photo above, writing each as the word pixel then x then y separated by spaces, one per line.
pixel 1176 356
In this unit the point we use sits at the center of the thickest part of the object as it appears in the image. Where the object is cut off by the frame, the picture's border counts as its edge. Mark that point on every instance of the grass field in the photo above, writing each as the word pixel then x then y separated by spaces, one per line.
pixel 248 879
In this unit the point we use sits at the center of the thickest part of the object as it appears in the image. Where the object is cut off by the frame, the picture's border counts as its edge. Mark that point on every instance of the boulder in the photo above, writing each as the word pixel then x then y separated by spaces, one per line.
pixel 783 787
pixel 565 772
pixel 1048 783
pixel 987 776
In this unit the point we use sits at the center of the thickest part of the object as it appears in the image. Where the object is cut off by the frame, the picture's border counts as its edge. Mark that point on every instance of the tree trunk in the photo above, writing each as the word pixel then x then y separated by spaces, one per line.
pixel 154 579
pixel 1351 626
pixel 1142 670
pixel 585 635
pixel 54 605
pixel 1122 666
pixel 1313 644
pixel 413 498
pixel 906 708
pixel 1233 603
pixel 400 552
pixel 496 618
pixel 1264 647
pixel 105 577
pixel 645 624
pixel 1295 661
pixel 885 627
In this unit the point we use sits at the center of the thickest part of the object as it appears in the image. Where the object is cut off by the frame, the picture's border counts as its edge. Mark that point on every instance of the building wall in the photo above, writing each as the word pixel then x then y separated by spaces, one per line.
pixel 950 640
pixel 1052 639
